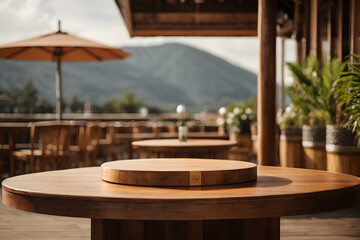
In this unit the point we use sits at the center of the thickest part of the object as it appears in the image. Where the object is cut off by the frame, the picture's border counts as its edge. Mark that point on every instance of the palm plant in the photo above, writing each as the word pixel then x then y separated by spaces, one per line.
pixel 302 91
pixel 312 91
pixel 348 94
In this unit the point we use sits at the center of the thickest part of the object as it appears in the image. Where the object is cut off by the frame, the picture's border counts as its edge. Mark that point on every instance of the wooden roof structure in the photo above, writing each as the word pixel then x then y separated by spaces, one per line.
pixel 309 22
pixel 322 28
pixel 197 17
pixel 326 28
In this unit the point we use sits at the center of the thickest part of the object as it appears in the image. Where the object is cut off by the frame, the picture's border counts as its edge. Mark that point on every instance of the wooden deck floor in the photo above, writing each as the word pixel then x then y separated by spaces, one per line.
pixel 15 224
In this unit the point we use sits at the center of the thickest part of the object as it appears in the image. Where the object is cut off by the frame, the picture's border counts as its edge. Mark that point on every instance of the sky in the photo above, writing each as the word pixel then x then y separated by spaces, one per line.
pixel 100 20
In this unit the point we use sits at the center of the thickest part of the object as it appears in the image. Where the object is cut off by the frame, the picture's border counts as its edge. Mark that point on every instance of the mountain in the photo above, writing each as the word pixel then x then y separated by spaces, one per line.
pixel 163 76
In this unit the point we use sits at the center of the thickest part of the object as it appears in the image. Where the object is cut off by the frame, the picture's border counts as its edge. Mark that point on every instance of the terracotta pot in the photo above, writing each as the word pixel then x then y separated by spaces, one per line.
pixel 342 154
pixel 243 140
pixel 291 150
pixel 313 135
pixel 243 148
pixel 291 133
pixel 340 139
pixel 313 142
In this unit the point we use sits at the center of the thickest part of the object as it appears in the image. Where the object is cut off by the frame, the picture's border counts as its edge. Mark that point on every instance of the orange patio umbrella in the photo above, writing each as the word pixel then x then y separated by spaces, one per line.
pixel 60 46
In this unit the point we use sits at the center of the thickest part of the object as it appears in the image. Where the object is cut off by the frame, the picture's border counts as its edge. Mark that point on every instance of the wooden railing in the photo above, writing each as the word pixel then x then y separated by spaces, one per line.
pixel 21 117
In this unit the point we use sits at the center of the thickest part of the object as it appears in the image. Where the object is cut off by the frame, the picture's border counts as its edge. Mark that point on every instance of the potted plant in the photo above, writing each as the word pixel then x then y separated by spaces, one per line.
pixel 290 137
pixel 313 141
pixel 239 118
pixel 343 155
pixel 313 93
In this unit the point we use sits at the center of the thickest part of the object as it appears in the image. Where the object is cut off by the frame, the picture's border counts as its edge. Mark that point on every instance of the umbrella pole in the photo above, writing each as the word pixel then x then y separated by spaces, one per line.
pixel 58 90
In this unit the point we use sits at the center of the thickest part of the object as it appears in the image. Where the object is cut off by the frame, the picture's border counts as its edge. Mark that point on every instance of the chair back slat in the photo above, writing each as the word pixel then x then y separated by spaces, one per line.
pixel 92 134
pixel 53 138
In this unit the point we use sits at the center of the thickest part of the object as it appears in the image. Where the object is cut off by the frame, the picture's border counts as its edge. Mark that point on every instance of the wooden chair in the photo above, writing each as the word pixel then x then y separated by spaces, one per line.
pixel 4 148
pixel 210 128
pixel 121 140
pixel 193 128
pixel 86 147
pixel 141 127
pixel 160 128
pixel 53 142
pixel 92 136
pixel 106 141
pixel 13 135
pixel 76 150
pixel 172 128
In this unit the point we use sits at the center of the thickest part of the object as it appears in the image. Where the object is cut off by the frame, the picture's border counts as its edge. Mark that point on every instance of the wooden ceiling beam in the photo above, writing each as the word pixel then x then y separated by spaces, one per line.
pixel 208 18
pixel 151 32
pixel 185 23
pixel 125 10
pixel 190 24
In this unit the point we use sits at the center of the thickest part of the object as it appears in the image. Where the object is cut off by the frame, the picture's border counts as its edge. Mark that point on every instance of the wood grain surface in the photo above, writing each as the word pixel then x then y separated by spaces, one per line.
pixel 277 192
pixel 169 143
pixel 170 135
pixel 178 172
pixel 266 87
pixel 314 158
pixel 195 135
pixel 291 154
pixel 343 163
pixel 20 225
pixel 192 148
pixel 234 229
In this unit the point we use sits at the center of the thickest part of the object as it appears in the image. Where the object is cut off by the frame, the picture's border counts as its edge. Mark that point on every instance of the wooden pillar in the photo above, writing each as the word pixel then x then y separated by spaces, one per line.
pixel 282 86
pixel 342 48
pixel 299 51
pixel 306 30
pixel 331 29
pixel 329 33
pixel 354 27
pixel 357 27
pixel 297 33
pixel 342 42
pixel 267 82
pixel 315 34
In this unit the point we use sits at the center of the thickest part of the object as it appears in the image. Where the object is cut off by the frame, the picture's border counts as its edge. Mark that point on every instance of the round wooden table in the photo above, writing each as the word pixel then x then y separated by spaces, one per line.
pixel 239 211
pixel 128 138
pixel 178 172
pixel 192 148
pixel 195 135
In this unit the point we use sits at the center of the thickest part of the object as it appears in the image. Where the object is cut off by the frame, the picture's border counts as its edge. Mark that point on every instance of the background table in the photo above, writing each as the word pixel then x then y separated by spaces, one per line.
pixel 193 148
pixel 195 135
pixel 243 211
pixel 128 138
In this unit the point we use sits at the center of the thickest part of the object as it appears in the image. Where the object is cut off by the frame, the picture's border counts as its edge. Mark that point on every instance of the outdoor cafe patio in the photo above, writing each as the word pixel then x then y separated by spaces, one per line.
pixel 241 173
